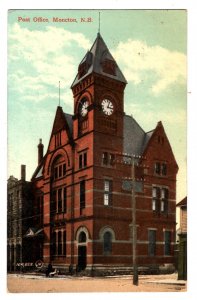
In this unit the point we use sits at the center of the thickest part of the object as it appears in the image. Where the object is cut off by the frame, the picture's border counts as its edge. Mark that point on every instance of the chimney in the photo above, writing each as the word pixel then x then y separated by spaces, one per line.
pixel 40 151
pixel 23 172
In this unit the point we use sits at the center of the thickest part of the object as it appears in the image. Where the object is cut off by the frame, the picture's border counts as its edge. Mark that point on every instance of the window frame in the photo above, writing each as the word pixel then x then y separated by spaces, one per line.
pixel 107 196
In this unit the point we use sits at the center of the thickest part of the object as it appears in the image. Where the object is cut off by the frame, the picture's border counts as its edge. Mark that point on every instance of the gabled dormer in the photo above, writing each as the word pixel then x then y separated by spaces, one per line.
pixel 159 154
pixel 62 130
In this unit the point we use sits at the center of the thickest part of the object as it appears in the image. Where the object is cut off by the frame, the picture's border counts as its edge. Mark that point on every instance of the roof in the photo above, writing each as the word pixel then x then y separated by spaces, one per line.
pixel 183 202
pixel 135 138
pixel 97 54
pixel 70 122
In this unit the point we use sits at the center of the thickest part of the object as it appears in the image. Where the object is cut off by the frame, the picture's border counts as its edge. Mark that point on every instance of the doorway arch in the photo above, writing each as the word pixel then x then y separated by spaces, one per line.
pixel 82 237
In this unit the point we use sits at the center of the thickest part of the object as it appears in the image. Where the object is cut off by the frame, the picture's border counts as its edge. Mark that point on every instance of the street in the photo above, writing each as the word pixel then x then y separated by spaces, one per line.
pixel 30 283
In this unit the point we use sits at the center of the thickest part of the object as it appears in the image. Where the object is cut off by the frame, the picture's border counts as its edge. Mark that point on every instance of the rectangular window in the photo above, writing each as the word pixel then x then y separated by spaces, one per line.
pixel 154 204
pixel 54 243
pixel 152 242
pixel 164 200
pixel 105 158
pixel 85 159
pixel 82 195
pixel 111 159
pixel 64 243
pixel 58 139
pixel 64 169
pixel 60 171
pixel 53 202
pixel 60 200
pixel 106 199
pixel 167 242
pixel 164 169
pixel 80 161
pixel 56 173
pixel 157 168
pixel 107 192
pixel 59 243
pixel 65 200
pixel 156 199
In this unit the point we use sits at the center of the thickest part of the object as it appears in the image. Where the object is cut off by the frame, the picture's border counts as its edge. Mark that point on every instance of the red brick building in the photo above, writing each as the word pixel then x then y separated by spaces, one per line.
pixel 81 199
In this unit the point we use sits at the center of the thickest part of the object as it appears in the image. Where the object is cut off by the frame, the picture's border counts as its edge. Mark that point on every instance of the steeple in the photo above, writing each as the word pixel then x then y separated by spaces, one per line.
pixel 100 61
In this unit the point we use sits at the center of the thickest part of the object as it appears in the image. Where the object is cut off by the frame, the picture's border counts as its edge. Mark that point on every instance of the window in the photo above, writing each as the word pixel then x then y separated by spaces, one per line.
pixel 107 192
pixel 59 200
pixel 59 170
pixel 105 159
pixel 64 169
pixel 155 199
pixel 82 160
pixel 64 242
pixel 152 242
pixel 59 243
pixel 53 243
pixel 107 242
pixel 164 169
pixel 56 173
pixel 82 195
pixel 167 242
pixel 58 139
pixel 164 200
pixel 53 202
pixel 160 200
pixel 157 168
pixel 111 159
pixel 160 168
pixel 109 67
pixel 65 200
pixel 108 159
pixel 82 237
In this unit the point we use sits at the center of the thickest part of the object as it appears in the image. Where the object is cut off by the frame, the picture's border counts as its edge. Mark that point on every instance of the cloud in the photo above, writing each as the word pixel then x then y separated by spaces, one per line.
pixel 38 60
pixel 142 62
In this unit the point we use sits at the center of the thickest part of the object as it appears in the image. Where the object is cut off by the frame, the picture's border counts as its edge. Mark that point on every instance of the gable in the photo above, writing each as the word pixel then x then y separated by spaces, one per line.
pixel 61 131
pixel 158 147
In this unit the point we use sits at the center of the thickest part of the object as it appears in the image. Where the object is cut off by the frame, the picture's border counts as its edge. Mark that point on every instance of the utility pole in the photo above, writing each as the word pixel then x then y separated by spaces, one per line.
pixel 134 231
pixel 132 226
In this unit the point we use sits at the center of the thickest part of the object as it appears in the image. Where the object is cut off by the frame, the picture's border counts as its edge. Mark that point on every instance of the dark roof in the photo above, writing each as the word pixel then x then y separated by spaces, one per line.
pixel 99 52
pixel 135 138
pixel 70 122
pixel 183 202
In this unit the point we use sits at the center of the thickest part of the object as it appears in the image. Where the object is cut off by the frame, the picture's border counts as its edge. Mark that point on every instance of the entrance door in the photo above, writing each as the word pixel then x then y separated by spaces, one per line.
pixel 81 257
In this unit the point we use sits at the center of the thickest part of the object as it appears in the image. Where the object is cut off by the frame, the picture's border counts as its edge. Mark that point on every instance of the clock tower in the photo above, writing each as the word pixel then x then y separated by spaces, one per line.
pixel 98 91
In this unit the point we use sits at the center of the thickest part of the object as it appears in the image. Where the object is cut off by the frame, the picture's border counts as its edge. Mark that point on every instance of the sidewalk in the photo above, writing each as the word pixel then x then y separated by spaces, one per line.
pixel 23 283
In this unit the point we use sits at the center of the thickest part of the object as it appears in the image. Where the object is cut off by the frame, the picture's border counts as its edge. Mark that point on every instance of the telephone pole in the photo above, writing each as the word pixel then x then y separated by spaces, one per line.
pixel 134 231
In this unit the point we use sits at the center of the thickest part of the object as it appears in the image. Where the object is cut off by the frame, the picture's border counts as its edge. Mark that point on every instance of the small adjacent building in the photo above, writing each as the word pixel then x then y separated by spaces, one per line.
pixel 182 234
pixel 19 219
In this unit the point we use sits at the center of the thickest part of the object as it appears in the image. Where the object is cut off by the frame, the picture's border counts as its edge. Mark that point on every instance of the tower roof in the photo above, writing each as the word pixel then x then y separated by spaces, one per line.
pixel 100 61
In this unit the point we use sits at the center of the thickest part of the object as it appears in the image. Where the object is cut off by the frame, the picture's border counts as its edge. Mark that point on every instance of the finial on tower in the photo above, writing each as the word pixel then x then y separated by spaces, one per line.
pixel 59 93
pixel 99 23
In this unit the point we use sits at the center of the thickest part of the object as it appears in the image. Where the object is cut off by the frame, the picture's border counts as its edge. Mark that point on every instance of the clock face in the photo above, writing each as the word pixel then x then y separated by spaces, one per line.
pixel 83 108
pixel 107 107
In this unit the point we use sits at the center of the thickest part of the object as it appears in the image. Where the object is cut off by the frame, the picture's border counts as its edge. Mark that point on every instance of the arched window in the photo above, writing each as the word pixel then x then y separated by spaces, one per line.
pixel 82 237
pixel 107 242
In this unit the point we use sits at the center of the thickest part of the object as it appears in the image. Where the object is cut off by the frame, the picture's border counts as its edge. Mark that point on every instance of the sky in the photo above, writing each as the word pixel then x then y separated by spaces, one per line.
pixel 149 46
